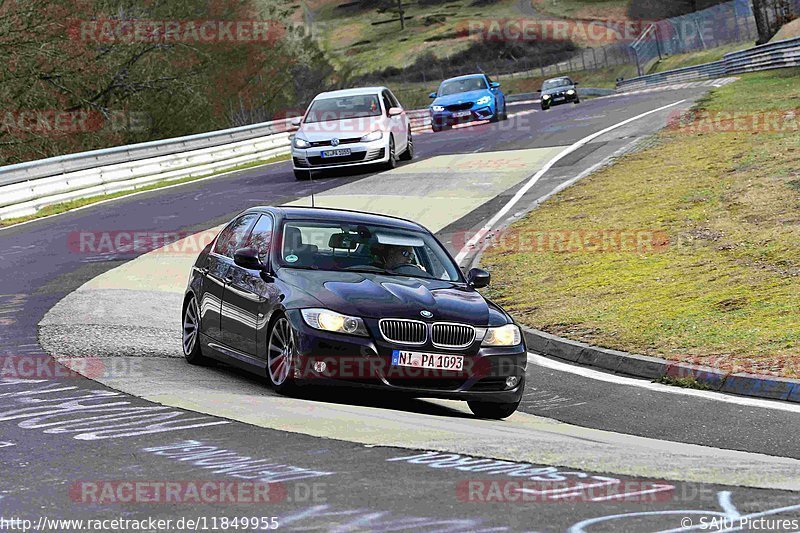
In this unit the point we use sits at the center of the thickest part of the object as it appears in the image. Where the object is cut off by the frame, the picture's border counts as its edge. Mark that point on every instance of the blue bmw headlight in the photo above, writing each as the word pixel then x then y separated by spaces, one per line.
pixel 437 108
pixel 484 100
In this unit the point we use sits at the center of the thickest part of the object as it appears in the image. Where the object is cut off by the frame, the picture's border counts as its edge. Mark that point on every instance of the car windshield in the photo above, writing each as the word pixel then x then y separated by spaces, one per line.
pixel 559 82
pixel 346 247
pixel 462 86
pixel 344 107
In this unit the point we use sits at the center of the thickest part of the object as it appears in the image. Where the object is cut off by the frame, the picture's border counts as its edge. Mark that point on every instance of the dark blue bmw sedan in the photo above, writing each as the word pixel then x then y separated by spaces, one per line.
pixel 304 295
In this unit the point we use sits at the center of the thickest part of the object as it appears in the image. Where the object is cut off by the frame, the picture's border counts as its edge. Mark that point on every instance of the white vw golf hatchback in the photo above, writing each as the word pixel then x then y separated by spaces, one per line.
pixel 352 127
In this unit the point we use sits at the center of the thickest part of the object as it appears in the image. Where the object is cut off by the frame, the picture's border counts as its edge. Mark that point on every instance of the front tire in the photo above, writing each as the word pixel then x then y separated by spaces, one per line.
pixel 496 117
pixel 492 411
pixel 392 162
pixel 408 155
pixel 545 107
pixel 302 175
pixel 505 112
pixel 281 356
pixel 191 335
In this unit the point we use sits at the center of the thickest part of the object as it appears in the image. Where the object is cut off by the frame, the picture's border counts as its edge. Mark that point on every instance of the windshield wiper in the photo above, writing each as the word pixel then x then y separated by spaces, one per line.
pixel 384 271
pixel 302 267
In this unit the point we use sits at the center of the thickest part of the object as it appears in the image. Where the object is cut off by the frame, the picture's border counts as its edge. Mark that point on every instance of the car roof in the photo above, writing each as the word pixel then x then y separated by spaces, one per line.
pixel 558 78
pixel 340 215
pixel 465 77
pixel 351 92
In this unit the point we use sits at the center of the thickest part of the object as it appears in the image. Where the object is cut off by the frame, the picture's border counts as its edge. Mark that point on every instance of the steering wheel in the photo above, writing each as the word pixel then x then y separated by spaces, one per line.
pixel 408 269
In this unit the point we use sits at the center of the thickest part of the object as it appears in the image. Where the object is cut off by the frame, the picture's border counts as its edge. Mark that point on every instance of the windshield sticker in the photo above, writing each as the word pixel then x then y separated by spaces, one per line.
pixel 291 258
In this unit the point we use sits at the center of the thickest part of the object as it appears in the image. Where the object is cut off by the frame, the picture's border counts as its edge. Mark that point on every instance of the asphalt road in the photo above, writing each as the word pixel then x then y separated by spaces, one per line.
pixel 62 435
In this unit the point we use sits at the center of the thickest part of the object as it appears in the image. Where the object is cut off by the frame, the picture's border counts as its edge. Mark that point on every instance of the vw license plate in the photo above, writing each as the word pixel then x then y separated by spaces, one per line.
pixel 462 114
pixel 433 361
pixel 336 153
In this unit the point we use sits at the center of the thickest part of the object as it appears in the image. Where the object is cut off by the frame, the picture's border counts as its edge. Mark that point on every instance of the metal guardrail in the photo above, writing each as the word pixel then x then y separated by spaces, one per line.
pixel 84 160
pixel 780 54
pixel 27 187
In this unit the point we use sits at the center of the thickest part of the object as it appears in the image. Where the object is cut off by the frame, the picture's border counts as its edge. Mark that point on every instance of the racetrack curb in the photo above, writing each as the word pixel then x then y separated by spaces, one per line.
pixel 653 368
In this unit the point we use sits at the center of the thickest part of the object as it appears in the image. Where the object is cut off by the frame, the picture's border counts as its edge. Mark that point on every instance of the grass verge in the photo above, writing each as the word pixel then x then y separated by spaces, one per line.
pixel 63 207
pixel 724 291
pixel 696 58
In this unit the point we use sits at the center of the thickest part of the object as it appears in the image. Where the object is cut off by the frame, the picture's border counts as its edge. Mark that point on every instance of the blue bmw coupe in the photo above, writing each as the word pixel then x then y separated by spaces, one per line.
pixel 466 99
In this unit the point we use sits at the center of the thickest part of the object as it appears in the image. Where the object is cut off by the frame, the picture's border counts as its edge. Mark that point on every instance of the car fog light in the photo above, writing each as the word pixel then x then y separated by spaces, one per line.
pixel 320 367
pixel 511 382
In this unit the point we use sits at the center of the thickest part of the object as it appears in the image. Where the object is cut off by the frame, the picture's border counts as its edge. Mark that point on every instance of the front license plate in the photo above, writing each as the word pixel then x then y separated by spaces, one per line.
pixel 336 153
pixel 559 99
pixel 433 361
pixel 462 114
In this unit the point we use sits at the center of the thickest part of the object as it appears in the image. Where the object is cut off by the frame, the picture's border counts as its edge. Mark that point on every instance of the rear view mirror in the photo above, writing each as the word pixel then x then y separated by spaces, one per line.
pixel 248 258
pixel 344 241
pixel 478 278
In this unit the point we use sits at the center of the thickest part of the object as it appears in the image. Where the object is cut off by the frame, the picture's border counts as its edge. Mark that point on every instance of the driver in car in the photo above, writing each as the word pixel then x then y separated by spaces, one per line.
pixel 391 257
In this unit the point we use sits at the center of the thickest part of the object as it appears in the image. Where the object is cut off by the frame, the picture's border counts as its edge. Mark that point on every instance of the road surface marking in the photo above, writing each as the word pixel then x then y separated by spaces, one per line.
pixel 536 177
pixel 599 375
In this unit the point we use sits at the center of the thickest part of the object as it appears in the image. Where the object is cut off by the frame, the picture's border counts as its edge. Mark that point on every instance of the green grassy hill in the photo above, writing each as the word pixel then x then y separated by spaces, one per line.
pixel 347 33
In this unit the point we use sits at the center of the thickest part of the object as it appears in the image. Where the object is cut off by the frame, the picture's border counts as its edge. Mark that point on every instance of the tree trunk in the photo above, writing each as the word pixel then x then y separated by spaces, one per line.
pixel 762 20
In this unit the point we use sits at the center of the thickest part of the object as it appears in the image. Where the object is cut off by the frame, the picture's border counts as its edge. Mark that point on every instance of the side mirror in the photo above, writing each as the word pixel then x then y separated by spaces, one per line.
pixel 248 258
pixel 495 84
pixel 395 111
pixel 296 121
pixel 575 83
pixel 478 278
pixel 538 90
pixel 432 95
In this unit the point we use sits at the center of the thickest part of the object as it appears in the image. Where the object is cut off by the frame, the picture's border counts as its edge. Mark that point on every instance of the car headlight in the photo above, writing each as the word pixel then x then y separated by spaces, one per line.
pixel 571 92
pixel 437 108
pixel 328 320
pixel 545 97
pixel 507 335
pixel 301 143
pixel 376 135
pixel 483 100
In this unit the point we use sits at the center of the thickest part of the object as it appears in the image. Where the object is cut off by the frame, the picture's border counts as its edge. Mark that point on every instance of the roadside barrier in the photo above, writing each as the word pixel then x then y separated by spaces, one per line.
pixel 780 54
pixel 27 187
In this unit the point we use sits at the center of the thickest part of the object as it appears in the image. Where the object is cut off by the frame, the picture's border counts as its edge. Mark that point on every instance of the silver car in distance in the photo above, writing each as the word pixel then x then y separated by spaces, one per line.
pixel 352 127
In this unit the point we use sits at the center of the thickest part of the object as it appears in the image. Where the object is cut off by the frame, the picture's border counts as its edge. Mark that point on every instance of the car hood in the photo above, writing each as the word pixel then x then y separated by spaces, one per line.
pixel 341 129
pixel 559 90
pixel 379 296
pixel 470 96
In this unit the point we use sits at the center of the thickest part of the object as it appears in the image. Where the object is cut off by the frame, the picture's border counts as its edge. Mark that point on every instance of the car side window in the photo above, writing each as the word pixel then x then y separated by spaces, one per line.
pixel 261 237
pixel 233 236
pixel 393 99
pixel 386 103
